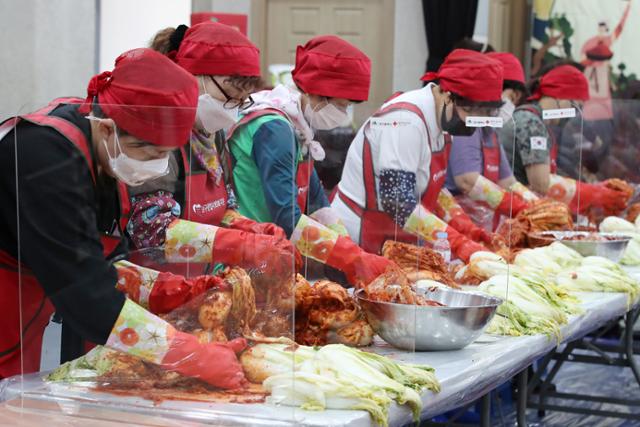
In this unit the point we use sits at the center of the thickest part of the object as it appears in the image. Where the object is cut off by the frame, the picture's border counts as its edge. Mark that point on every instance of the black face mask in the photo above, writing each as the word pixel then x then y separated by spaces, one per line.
pixel 455 126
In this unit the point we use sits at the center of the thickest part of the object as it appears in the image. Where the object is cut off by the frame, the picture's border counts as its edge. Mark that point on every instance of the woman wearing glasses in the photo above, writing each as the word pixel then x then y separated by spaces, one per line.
pixel 198 185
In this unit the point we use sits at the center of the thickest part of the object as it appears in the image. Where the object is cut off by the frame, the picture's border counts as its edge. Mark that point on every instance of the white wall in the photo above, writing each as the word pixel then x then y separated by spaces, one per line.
pixel 409 45
pixel 128 24
pixel 481 30
pixel 47 52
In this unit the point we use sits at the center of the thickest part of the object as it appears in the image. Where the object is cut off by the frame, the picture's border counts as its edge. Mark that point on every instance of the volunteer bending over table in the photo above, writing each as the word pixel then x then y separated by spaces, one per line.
pixel 478 166
pixel 535 150
pixel 397 163
pixel 273 151
pixel 198 186
pixel 70 160
pixel 272 144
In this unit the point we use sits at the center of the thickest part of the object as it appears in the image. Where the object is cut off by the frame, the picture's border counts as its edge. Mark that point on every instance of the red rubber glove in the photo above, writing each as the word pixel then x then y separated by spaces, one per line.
pixel 161 292
pixel 355 263
pixel 597 195
pixel 449 210
pixel 213 363
pixel 462 246
pixel 170 291
pixel 463 224
pixel 251 226
pixel 255 252
pixel 508 200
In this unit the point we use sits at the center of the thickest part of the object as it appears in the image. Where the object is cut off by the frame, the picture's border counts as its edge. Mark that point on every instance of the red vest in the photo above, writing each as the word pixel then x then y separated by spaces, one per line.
pixel 16 279
pixel 205 201
pixel 305 168
pixel 376 225
pixel 553 153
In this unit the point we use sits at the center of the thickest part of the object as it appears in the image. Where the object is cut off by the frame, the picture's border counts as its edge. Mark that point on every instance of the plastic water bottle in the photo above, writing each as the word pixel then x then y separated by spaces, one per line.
pixel 442 247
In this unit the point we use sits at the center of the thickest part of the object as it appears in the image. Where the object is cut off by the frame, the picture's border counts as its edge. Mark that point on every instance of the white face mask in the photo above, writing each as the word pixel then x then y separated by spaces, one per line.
pixel 507 109
pixel 212 114
pixel 327 117
pixel 135 172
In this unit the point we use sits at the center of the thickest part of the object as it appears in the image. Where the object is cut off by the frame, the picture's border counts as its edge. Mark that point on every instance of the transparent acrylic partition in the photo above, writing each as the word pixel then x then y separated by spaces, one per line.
pixel 610 153
pixel 210 296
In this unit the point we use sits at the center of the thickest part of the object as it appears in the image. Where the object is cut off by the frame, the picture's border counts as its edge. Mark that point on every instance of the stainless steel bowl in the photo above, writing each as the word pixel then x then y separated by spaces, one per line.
pixel 611 249
pixel 409 327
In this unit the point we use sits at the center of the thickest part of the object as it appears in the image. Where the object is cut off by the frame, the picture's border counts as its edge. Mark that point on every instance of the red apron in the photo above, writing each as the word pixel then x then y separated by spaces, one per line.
pixel 553 153
pixel 305 168
pixel 303 177
pixel 376 225
pixel 205 201
pixel 17 281
pixel 491 158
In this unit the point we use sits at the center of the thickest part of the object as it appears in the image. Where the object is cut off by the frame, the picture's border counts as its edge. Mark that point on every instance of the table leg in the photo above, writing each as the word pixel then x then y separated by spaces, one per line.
pixel 485 411
pixel 630 321
pixel 522 398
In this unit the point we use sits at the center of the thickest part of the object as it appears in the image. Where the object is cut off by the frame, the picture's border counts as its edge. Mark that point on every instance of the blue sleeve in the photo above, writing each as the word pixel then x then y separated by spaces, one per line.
pixel 274 151
pixel 317 197
pixel 397 194
pixel 466 154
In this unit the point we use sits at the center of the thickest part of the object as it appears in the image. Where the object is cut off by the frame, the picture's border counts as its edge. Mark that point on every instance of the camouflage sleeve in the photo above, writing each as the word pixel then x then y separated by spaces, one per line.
pixel 532 138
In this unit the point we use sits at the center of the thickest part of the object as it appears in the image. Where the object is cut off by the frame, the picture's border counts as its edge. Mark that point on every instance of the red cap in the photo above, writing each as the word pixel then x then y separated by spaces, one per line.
pixel 216 49
pixel 470 74
pixel 148 96
pixel 332 67
pixel 563 82
pixel 511 66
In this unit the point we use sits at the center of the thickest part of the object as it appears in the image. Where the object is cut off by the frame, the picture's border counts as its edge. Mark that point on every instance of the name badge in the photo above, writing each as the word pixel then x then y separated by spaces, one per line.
pixel 481 122
pixel 388 124
pixel 558 113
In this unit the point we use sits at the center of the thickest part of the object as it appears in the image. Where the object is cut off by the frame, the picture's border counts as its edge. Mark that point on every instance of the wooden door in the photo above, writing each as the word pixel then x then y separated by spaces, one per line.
pixel 368 24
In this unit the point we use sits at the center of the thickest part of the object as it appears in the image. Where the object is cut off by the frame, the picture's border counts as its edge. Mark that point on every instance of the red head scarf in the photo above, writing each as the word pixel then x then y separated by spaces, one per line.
pixel 563 82
pixel 216 49
pixel 511 66
pixel 470 74
pixel 148 96
pixel 332 67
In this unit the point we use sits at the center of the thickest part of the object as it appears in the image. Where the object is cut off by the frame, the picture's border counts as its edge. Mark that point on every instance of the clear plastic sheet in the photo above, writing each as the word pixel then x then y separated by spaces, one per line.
pixel 465 375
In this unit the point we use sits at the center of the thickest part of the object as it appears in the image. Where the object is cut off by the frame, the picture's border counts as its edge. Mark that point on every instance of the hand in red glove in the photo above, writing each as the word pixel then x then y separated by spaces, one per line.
pixel 358 265
pixel 170 291
pixel 255 251
pixel 450 211
pixel 462 246
pixel 510 201
pixel 463 224
pixel 251 226
pixel 496 197
pixel 161 292
pixel 597 195
pixel 213 363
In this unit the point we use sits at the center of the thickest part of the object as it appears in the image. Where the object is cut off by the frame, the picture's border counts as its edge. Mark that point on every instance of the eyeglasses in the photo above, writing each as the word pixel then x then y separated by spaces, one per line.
pixel 232 103
pixel 479 111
